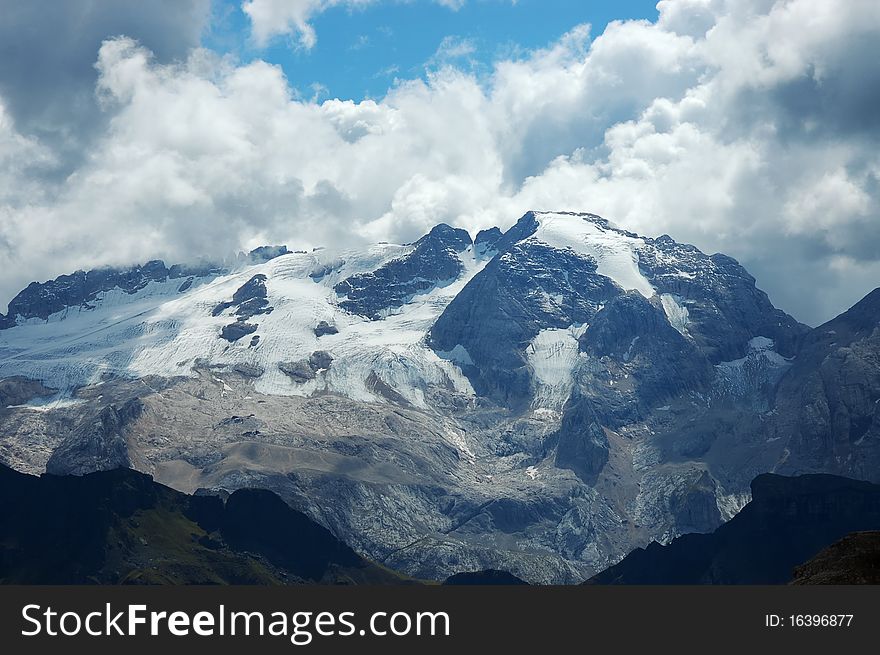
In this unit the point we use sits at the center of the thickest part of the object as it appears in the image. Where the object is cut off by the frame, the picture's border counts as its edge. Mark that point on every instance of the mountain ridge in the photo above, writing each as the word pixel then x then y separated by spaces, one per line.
pixel 121 527
pixel 541 400
pixel 787 522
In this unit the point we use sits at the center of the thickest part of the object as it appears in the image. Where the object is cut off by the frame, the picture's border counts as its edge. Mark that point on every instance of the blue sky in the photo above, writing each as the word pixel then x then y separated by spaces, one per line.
pixel 361 51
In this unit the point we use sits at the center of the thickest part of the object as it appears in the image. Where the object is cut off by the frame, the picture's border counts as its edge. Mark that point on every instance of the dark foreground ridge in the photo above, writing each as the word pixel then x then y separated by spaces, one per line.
pixel 121 527
pixel 486 577
pixel 855 559
pixel 788 521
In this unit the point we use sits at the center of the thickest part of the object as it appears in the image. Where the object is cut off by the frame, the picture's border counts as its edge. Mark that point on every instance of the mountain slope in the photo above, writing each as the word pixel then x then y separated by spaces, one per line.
pixel 855 559
pixel 828 404
pixel 121 527
pixel 787 522
pixel 541 400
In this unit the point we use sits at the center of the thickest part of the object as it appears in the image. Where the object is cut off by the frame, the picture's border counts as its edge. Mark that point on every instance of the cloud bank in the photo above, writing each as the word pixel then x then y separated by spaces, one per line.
pixel 747 127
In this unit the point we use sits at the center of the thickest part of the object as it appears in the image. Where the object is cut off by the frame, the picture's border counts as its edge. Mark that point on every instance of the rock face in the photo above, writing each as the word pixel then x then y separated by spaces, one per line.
pixel 487 577
pixel 82 288
pixel 323 328
pixel 249 370
pixel 79 289
pixel 98 444
pixel 519 293
pixel 633 337
pixel 433 260
pixel 583 446
pixel 486 240
pixel 238 330
pixel 552 280
pixel 788 521
pixel 19 390
pixel 829 401
pixel 248 301
pixel 307 369
pixel 266 253
pixel 855 559
pixel 540 401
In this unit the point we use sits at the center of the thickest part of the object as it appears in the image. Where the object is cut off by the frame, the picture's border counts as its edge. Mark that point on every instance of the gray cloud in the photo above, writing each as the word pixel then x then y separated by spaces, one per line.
pixel 47 56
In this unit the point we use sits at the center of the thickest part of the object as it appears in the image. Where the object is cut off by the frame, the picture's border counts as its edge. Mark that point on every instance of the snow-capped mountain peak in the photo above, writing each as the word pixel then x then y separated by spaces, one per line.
pixel 384 323
pixel 615 251
pixel 542 399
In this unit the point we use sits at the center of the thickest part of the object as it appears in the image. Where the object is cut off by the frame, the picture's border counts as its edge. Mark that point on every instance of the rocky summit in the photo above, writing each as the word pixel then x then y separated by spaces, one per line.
pixel 540 401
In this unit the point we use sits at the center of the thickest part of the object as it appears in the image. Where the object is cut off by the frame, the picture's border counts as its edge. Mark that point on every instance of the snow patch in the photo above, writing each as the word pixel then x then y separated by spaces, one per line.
pixel 759 344
pixel 676 313
pixel 161 332
pixel 761 366
pixel 553 357
pixel 459 355
pixel 615 252
pixel 729 505
pixel 50 403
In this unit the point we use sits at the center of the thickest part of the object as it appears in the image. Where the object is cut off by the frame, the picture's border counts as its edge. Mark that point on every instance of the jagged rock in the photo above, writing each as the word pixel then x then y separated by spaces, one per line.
pixel 725 308
pixel 486 240
pixel 521 292
pixel 324 328
pixel 299 371
pixel 433 261
pixel 518 294
pixel 582 446
pixel 828 402
pixel 378 386
pixel 19 390
pixel 635 333
pixel 307 369
pixel 249 370
pixel 40 300
pixel 486 577
pixel 320 359
pixel 99 444
pixel 324 270
pixel 264 254
pixel 695 508
pixel 249 299
pixel 788 521
pixel 235 331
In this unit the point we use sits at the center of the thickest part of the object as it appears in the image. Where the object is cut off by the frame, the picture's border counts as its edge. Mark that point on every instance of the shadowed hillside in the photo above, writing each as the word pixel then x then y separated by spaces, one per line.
pixel 121 527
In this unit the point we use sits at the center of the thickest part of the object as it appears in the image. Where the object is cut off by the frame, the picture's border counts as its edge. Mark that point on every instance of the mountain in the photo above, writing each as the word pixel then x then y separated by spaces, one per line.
pixel 540 401
pixel 120 527
pixel 829 403
pixel 79 290
pixel 787 522
pixel 487 577
pixel 855 559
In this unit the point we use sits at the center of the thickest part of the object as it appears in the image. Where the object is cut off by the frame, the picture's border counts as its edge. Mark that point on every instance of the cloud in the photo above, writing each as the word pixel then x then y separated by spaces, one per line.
pixel 455 5
pixel 271 19
pixel 740 126
pixel 47 56
pixel 452 48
